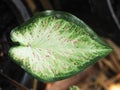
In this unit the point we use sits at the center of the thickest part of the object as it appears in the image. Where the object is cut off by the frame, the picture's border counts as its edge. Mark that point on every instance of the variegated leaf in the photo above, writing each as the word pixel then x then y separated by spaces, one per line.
pixel 55 45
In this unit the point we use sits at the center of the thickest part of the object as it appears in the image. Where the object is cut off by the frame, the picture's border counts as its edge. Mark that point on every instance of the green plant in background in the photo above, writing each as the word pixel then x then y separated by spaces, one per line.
pixel 74 88
pixel 55 45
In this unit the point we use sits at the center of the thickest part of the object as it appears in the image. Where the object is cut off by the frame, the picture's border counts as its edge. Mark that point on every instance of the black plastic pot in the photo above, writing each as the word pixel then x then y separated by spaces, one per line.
pixel 107 12
pixel 12 14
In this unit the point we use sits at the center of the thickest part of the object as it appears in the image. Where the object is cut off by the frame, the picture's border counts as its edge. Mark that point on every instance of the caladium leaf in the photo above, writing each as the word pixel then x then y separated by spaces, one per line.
pixel 55 45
